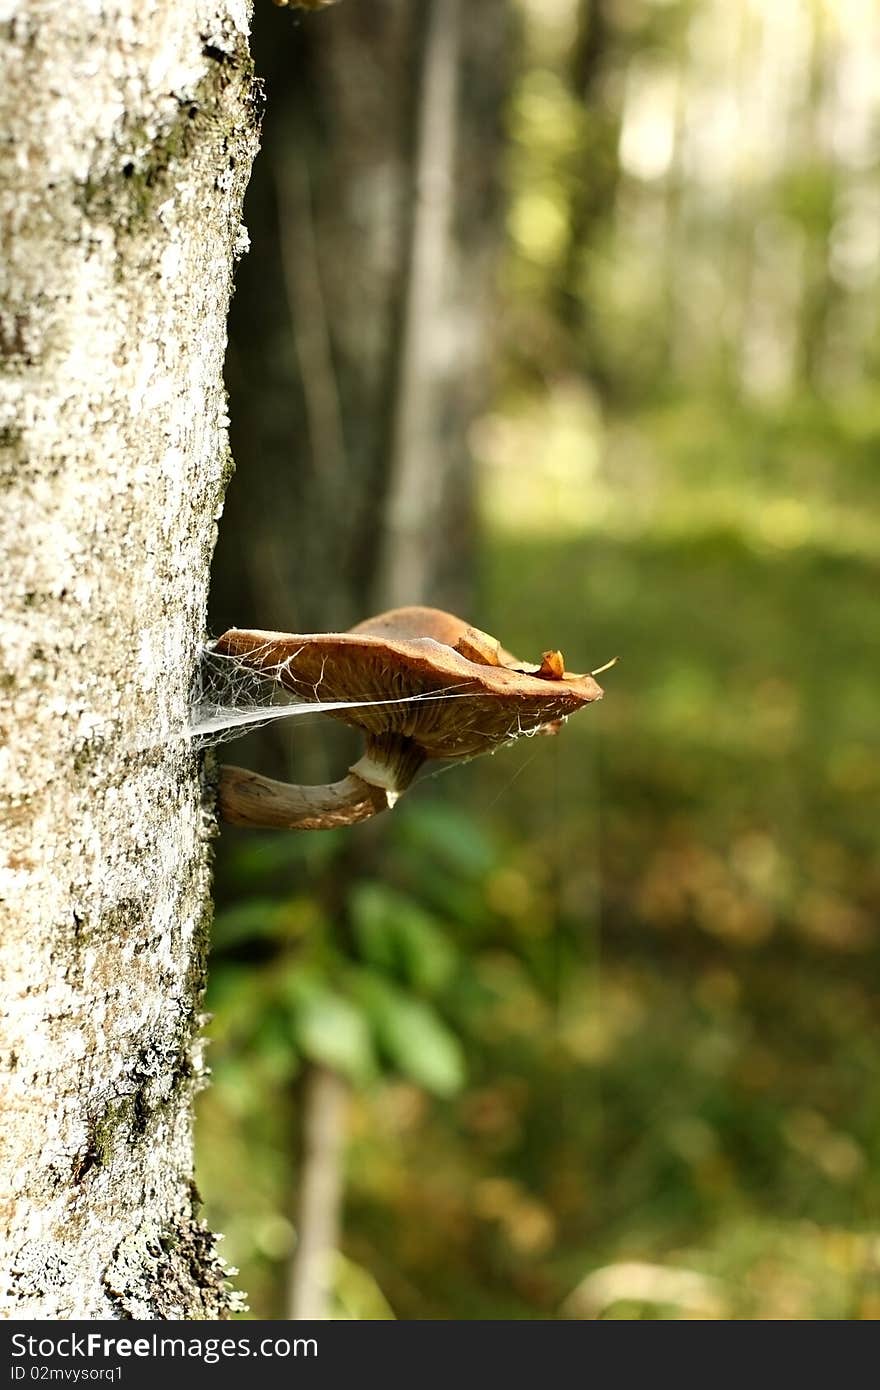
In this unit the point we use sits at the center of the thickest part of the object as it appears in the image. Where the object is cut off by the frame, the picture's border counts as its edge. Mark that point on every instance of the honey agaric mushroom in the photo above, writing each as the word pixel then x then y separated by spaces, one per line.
pixel 422 686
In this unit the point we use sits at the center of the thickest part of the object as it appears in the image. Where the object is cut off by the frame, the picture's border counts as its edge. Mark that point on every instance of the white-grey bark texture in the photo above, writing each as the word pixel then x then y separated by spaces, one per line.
pixel 127 132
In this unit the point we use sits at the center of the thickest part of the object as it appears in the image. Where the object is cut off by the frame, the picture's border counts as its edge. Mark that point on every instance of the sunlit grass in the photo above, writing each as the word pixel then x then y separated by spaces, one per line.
pixel 553 467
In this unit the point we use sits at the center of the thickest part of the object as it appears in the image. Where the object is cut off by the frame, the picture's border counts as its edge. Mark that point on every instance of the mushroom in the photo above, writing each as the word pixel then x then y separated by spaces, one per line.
pixel 420 684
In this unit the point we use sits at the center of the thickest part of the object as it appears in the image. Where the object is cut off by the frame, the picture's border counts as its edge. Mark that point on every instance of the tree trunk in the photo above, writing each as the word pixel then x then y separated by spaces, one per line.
pixel 325 1108
pixel 364 336
pixel 414 537
pixel 129 131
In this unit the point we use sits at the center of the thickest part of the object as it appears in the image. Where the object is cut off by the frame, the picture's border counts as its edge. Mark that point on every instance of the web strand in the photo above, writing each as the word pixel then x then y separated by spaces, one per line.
pixel 235 695
pixel 232 699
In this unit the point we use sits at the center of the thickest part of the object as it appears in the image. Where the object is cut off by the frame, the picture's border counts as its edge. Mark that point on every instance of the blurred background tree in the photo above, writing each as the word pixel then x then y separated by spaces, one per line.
pixel 565 316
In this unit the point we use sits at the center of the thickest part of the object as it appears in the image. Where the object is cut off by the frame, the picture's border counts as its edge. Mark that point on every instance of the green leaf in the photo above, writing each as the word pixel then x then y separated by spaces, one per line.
pixel 253 918
pixel 285 919
pixel 372 911
pixel 413 1038
pixel 442 833
pixel 397 936
pixel 331 1030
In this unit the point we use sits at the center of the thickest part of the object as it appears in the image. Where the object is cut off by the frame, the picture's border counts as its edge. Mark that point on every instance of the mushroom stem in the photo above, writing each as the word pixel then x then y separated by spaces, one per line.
pixel 389 762
pixel 374 783
pixel 246 798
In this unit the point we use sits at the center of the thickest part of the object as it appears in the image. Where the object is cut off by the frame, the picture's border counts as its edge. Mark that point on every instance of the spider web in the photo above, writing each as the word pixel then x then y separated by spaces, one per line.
pixel 235 693
pixel 231 698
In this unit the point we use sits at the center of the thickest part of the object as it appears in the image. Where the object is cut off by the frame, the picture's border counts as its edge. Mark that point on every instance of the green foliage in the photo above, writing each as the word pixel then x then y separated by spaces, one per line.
pixel 354 1000
pixel 696 1092
pixel 412 1036
pixel 397 937
pixel 329 1029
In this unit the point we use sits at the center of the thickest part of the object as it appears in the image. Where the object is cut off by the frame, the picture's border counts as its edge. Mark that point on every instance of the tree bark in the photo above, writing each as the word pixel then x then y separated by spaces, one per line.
pixel 129 131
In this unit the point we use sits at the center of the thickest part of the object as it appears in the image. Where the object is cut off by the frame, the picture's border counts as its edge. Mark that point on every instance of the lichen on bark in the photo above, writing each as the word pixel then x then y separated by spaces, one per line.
pixel 129 133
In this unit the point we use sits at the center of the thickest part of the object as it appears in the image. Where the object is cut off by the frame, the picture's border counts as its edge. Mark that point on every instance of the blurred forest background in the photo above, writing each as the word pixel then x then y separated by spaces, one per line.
pixel 563 314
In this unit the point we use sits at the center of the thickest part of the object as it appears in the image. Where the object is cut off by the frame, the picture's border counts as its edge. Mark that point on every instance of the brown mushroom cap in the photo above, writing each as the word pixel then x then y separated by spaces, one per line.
pixel 409 655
